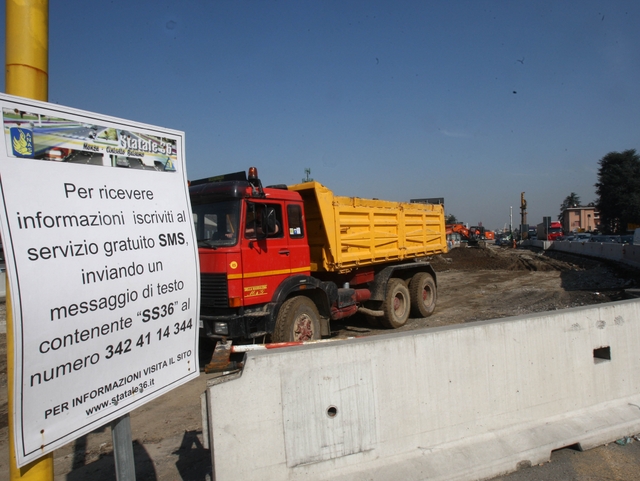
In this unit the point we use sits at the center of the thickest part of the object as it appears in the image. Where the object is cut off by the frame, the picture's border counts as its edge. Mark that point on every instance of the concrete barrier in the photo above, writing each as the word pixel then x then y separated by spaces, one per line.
pixel 624 253
pixel 631 255
pixel 453 403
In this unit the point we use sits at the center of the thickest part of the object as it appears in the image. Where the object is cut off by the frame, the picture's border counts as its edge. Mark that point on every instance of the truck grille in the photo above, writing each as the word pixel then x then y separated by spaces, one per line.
pixel 213 290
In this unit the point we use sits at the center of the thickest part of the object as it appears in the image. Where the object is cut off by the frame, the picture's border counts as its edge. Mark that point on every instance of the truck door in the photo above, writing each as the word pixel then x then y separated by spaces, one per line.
pixel 298 241
pixel 265 251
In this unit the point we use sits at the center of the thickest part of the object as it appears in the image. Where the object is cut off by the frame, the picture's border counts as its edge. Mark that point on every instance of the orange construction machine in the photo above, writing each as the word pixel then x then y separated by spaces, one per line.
pixel 473 235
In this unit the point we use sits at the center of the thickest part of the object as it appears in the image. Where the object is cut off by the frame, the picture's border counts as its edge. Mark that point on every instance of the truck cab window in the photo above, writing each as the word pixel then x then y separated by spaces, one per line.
pixel 296 225
pixel 263 221
pixel 216 223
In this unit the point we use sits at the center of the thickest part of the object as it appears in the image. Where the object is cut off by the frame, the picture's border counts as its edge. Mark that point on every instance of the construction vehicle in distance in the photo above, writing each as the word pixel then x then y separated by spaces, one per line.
pixel 549 231
pixel 475 235
pixel 489 234
pixel 279 263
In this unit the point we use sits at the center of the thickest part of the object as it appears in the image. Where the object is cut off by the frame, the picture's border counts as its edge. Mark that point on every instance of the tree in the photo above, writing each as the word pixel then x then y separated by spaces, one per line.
pixel 572 200
pixel 618 190
pixel 450 219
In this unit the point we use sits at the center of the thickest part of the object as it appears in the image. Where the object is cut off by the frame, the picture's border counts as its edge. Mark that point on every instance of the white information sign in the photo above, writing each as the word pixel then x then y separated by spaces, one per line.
pixel 102 265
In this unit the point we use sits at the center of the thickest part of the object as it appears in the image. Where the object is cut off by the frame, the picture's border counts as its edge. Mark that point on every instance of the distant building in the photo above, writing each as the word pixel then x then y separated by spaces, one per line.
pixel 583 219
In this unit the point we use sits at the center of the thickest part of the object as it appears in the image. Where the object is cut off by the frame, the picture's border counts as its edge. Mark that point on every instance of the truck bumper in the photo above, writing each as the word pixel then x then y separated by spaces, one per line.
pixel 233 326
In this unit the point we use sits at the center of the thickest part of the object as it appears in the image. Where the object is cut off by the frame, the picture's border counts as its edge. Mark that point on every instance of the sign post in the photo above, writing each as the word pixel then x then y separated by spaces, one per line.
pixel 123 448
pixel 27 75
pixel 103 268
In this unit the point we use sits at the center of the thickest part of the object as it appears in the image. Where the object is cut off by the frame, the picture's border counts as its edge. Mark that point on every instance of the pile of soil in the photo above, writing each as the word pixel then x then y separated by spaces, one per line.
pixel 482 258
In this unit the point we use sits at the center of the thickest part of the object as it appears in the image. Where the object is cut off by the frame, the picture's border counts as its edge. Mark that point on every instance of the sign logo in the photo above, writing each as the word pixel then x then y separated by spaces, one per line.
pixel 255 291
pixel 21 142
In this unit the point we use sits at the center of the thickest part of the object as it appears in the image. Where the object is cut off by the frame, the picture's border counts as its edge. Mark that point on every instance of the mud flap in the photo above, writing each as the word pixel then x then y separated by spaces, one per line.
pixel 221 359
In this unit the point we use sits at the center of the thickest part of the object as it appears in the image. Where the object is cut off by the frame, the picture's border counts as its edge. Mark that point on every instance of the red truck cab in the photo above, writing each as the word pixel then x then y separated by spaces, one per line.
pixel 550 232
pixel 555 231
pixel 252 244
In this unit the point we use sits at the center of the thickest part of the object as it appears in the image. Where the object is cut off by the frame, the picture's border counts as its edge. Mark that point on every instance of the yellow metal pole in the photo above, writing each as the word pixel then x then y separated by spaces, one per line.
pixel 26 75
pixel 27 48
pixel 40 469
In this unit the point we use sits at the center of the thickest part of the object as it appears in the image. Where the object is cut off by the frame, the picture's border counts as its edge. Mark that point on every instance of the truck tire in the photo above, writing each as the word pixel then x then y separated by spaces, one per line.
pixel 298 320
pixel 422 289
pixel 396 305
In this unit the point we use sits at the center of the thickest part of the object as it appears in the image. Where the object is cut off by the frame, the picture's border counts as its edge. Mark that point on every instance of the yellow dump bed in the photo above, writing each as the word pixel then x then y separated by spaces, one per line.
pixel 348 232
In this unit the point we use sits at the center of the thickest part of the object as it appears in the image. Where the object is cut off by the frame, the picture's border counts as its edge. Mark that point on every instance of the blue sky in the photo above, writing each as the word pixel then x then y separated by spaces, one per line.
pixel 473 101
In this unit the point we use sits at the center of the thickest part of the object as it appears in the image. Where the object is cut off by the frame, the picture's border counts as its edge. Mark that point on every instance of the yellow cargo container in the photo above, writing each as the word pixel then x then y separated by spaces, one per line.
pixel 349 232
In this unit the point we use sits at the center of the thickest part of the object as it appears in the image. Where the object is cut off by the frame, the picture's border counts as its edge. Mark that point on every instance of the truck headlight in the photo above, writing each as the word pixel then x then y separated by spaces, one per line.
pixel 221 328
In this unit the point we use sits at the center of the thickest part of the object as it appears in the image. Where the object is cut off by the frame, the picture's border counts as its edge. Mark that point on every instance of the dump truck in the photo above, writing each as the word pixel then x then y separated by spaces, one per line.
pixel 279 263
pixel 550 231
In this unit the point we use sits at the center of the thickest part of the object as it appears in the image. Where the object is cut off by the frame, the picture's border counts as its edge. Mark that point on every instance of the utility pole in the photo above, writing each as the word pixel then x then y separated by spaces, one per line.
pixel 511 220
pixel 27 48
pixel 26 75
pixel 524 227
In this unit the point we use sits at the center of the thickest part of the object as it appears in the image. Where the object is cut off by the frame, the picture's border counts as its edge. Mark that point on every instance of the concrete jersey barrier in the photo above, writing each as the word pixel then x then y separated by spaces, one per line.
pixel 453 403
pixel 624 253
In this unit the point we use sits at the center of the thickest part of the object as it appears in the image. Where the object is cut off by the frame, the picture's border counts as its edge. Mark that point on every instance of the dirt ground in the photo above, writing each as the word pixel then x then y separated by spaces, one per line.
pixel 474 284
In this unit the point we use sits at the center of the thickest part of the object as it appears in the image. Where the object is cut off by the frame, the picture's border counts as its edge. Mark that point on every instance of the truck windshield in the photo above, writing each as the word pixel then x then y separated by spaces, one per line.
pixel 216 223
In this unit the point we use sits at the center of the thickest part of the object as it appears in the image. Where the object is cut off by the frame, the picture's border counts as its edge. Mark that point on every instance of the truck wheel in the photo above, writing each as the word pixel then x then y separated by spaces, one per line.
pixel 423 294
pixel 298 320
pixel 396 304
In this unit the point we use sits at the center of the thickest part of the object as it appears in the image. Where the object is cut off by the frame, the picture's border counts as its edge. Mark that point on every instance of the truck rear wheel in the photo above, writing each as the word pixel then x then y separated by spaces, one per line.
pixel 422 289
pixel 298 320
pixel 396 305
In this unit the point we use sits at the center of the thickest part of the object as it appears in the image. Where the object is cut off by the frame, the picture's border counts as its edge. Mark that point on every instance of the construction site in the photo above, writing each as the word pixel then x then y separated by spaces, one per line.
pixel 475 284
